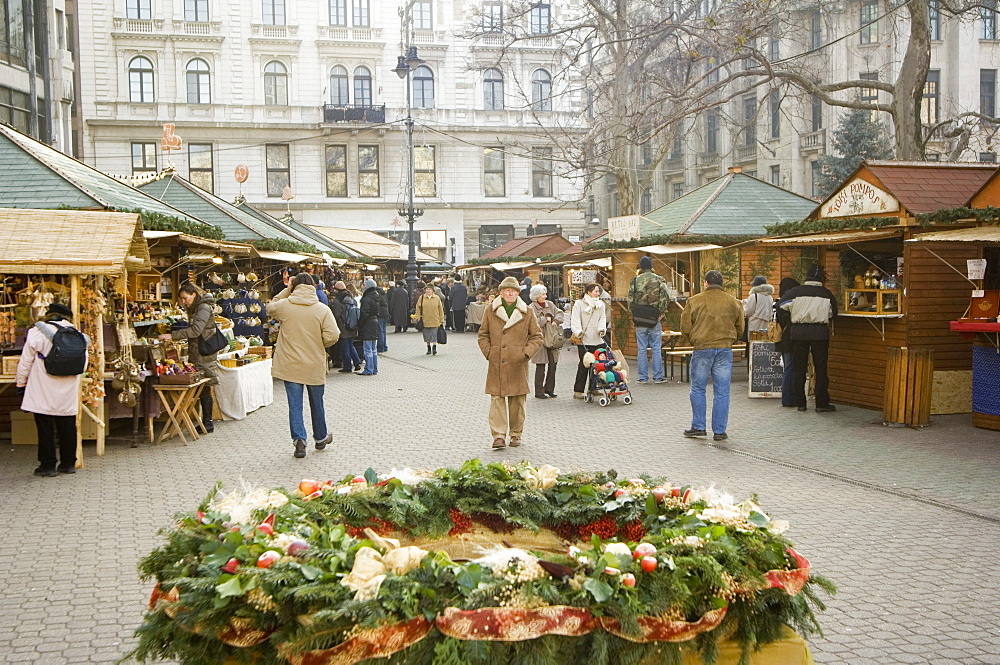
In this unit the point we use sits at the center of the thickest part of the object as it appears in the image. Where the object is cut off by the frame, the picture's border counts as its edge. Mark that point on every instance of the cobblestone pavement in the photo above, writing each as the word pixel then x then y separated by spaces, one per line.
pixel 902 520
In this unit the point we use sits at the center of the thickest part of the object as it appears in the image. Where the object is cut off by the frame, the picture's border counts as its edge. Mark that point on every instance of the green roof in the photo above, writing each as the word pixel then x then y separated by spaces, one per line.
pixel 297 228
pixel 735 204
pixel 34 175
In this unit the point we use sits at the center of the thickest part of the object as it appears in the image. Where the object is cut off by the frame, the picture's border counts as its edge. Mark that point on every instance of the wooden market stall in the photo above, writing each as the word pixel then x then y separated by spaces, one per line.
pixel 82 259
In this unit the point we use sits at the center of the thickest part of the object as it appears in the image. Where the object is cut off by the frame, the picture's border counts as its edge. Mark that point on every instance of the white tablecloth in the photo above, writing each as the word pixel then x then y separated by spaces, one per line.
pixel 242 390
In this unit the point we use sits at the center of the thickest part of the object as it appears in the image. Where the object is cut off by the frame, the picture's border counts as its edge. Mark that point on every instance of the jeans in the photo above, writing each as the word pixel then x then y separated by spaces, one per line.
pixel 382 346
pixel 651 338
pixel 317 411
pixel 371 357
pixel 718 363
pixel 820 349
pixel 351 359
pixel 787 380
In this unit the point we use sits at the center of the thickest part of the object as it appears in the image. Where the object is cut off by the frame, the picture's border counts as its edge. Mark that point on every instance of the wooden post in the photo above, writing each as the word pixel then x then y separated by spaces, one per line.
pixel 74 300
pixel 101 414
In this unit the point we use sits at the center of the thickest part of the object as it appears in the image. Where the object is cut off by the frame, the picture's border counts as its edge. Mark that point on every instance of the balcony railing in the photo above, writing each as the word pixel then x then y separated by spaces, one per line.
pixel 274 31
pixel 813 140
pixel 192 28
pixel 746 153
pixel 358 113
pixel 139 26
pixel 673 164
pixel 706 159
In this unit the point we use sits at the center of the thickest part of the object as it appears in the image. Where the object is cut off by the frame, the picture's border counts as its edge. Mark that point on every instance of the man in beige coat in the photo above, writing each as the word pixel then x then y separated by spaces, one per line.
pixel 508 337
pixel 307 329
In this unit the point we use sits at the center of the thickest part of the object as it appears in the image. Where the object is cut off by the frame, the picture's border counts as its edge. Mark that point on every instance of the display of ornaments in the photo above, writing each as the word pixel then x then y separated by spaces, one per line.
pixel 228 294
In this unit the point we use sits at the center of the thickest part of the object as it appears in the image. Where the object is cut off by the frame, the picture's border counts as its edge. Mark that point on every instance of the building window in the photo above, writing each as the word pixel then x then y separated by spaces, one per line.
pixel 138 9
pixel 422 15
pixel 869 95
pixel 336 170
pixel 816 175
pixel 712 132
pixel 275 84
pixel 773 49
pixel 774 107
pixel 492 236
pixel 646 202
pixel 988 92
pixel 361 14
pixel 492 17
pixel 274 12
pixel 930 106
pixel 776 175
pixel 338 12
pixel 988 18
pixel 541 18
pixel 279 172
pixel 869 22
pixel 368 178
pixel 200 166
pixel 816 114
pixel 677 144
pixel 541 172
pixel 494 177
pixel 541 90
pixel 339 86
pixel 140 81
pixel 493 90
pixel 424 171
pixel 143 158
pixel 198 82
pixel 934 10
pixel 677 190
pixel 196 10
pixel 711 69
pixel 423 88
pixel 14 108
pixel 815 29
pixel 749 121
pixel 362 87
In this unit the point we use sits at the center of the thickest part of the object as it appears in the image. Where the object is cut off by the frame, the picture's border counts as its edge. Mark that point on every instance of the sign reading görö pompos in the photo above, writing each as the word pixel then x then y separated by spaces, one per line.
pixel 623 228
pixel 858 197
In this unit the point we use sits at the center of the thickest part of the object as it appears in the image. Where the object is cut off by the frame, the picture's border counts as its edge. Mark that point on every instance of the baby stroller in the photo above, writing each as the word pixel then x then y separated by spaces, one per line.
pixel 606 380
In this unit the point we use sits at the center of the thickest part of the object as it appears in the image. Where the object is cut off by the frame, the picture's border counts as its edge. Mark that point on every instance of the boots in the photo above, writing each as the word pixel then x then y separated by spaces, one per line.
pixel 207 404
pixel 428 350
pixel 434 349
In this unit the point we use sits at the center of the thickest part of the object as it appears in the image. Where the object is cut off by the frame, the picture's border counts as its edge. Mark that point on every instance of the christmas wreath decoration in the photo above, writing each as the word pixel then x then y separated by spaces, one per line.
pixel 486 563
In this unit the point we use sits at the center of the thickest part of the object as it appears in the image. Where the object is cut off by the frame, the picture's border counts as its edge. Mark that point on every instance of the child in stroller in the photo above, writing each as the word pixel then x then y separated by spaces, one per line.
pixel 607 378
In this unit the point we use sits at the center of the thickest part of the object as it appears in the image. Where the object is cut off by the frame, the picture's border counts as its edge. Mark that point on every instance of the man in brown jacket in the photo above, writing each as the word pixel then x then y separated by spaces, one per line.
pixel 712 321
pixel 307 329
pixel 508 337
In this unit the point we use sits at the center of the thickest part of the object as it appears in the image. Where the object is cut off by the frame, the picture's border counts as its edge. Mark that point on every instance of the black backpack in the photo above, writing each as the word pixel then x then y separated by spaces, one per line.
pixel 68 356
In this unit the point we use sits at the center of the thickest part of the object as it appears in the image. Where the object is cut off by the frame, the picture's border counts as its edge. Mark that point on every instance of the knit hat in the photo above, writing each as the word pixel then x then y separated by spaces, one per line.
pixel 758 280
pixel 645 263
pixel 815 273
pixel 340 286
pixel 714 277
pixel 537 290
pixel 370 283
pixel 60 309
pixel 526 281
pixel 510 283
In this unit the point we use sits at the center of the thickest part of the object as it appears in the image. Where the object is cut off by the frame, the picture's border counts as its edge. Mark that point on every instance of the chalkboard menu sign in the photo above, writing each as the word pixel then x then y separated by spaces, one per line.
pixel 766 370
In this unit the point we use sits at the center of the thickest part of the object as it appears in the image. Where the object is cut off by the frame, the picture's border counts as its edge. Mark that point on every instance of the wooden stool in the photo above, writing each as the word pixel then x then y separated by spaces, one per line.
pixel 179 402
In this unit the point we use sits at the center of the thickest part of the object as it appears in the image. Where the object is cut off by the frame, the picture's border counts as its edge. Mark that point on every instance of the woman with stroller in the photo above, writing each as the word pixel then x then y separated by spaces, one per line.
pixel 550 320
pixel 589 323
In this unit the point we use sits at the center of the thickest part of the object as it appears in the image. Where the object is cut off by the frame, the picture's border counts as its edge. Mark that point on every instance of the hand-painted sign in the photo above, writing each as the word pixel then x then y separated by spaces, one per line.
pixel 859 197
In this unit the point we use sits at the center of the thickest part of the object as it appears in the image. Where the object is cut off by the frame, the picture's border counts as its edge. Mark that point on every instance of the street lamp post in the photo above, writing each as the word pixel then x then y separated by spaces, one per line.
pixel 405 64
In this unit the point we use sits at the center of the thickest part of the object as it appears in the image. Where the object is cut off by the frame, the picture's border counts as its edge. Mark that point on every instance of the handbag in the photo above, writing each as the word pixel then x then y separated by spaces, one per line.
pixel 419 324
pixel 645 316
pixel 552 336
pixel 213 343
pixel 774 332
pixel 442 335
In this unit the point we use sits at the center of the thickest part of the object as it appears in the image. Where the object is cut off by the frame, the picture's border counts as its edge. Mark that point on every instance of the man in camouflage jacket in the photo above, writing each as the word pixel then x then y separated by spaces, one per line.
pixel 648 300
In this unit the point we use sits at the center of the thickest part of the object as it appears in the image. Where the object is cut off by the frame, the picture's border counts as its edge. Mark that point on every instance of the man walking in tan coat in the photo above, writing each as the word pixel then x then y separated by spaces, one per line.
pixel 508 337
pixel 307 329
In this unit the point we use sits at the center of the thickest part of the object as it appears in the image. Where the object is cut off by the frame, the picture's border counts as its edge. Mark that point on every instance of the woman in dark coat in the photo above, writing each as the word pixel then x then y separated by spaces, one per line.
pixel 368 326
pixel 399 308
pixel 201 325
pixel 383 318
pixel 784 319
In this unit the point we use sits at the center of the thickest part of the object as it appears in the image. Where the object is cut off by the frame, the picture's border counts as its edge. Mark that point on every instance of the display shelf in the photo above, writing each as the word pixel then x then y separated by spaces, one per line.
pixel 138 324
pixel 873 302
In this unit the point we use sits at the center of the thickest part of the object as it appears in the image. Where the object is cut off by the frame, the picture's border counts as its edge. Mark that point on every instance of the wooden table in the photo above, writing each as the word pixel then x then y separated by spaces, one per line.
pixel 180 402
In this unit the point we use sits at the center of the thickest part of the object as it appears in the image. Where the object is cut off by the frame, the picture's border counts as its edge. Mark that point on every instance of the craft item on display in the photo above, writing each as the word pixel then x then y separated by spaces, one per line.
pixel 228 294
pixel 240 277
pixel 215 279
pixel 252 276
pixel 255 308
pixel 217 309
pixel 240 308
pixel 253 294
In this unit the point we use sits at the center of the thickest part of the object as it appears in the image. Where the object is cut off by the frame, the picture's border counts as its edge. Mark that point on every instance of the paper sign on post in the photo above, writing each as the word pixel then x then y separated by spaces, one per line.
pixel 977 268
pixel 977 293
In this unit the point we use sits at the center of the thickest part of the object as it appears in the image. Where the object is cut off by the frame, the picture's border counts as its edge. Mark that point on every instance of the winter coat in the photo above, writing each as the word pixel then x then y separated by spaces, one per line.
pixel 368 326
pixel 811 307
pixel 759 307
pixel 383 305
pixel 648 288
pixel 307 329
pixel 43 393
pixel 541 356
pixel 459 295
pixel 399 307
pixel 589 320
pixel 712 319
pixel 508 344
pixel 321 294
pixel 339 308
pixel 201 324
pixel 430 309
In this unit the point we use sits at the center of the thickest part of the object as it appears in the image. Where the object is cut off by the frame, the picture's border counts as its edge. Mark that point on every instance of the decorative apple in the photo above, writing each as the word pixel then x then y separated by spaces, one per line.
pixel 357 480
pixel 637 481
pixel 628 579
pixel 268 559
pixel 642 550
pixel 688 495
pixel 200 515
pixel 297 546
pixel 231 566
pixel 608 570
pixel 308 486
pixel 315 495
pixel 676 491
pixel 619 492
pixel 265 529
pixel 648 564
pixel 660 493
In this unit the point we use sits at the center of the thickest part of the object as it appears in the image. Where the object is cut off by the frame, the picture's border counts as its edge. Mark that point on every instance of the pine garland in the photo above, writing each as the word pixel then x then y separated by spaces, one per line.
pixel 154 221
pixel 671 239
pixel 283 245
pixel 829 225
pixel 987 215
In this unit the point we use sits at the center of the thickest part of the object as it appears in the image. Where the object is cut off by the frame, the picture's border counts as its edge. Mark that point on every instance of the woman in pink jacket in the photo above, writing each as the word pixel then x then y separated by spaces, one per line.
pixel 55 400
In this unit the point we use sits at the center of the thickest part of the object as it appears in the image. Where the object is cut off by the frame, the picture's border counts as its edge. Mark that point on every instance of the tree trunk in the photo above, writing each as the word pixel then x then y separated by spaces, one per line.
pixel 910 85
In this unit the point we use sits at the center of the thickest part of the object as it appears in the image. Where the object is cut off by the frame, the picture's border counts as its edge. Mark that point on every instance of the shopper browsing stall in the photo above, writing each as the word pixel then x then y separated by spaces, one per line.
pixel 201 325
pixel 589 323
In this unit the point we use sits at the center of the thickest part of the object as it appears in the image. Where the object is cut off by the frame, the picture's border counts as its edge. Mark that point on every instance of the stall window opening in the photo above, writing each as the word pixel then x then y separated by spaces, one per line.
pixel 278 165
pixel 200 166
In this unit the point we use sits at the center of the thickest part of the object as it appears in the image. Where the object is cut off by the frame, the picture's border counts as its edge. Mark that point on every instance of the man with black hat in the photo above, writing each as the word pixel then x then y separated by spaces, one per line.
pixel 648 300
pixel 712 321
pixel 811 307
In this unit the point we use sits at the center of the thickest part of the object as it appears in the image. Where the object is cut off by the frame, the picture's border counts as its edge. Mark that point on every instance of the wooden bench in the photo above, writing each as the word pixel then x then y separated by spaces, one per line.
pixel 682 354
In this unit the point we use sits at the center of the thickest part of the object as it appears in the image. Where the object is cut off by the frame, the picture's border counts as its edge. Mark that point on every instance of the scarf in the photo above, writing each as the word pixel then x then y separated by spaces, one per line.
pixel 590 303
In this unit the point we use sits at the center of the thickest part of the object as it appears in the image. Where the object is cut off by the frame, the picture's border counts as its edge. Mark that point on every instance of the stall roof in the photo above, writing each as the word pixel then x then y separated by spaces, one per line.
pixel 924 187
pixel 513 265
pixel 838 238
pixel 219 245
pixel 368 243
pixel 984 234
pixel 71 242
pixel 285 257
pixel 59 180
pixel 679 248
pixel 290 224
pixel 531 246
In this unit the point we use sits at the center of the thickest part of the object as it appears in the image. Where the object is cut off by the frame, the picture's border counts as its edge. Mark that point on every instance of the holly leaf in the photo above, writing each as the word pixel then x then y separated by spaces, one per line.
pixel 588 491
pixel 601 591
pixel 651 506
pixel 231 588
pixel 371 476
pixel 310 572
pixel 469 577
pixel 758 519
